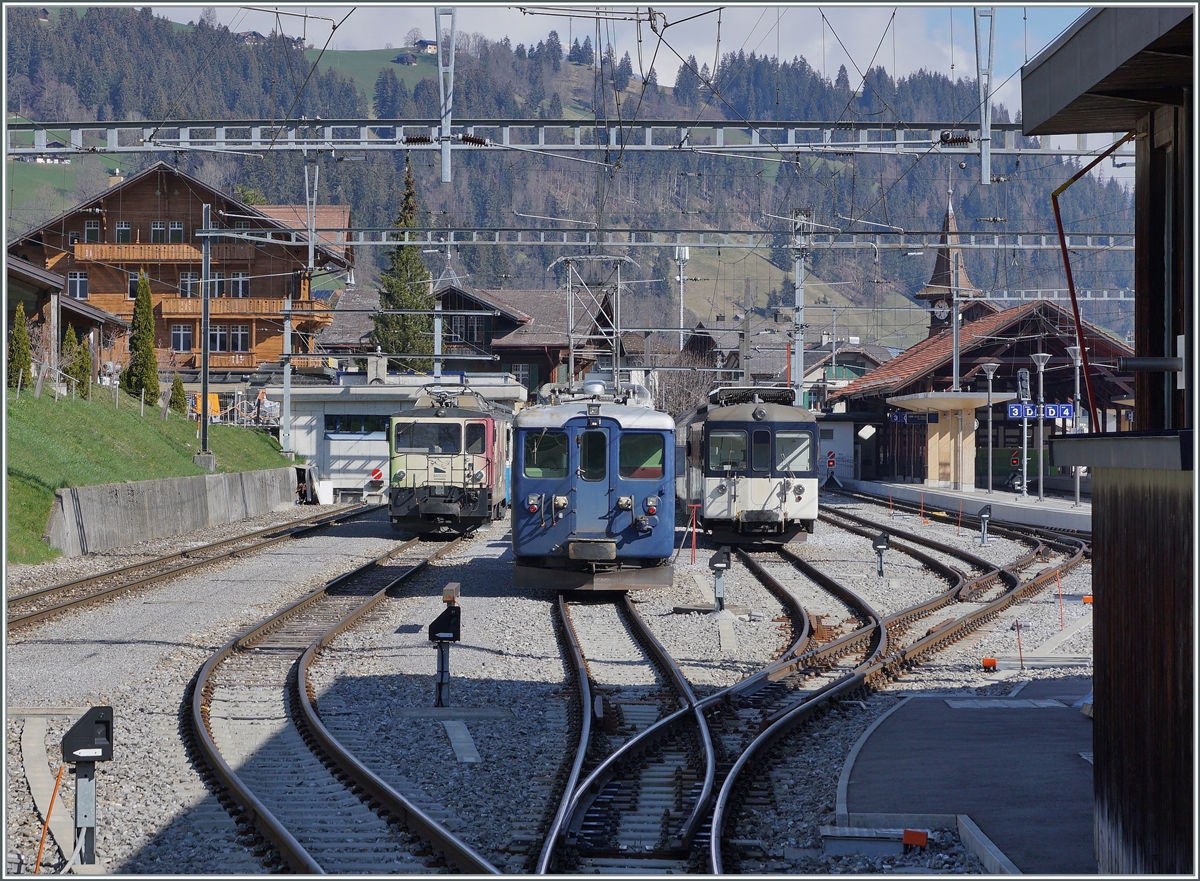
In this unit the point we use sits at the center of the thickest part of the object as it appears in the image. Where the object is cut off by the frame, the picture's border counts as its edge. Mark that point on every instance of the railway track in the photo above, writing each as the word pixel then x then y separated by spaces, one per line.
pixel 254 723
pixel 38 605
pixel 900 646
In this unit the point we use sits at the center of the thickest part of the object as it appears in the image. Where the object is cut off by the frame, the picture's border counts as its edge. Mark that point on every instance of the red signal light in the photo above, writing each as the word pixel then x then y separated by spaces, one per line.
pixel 533 509
pixel 652 510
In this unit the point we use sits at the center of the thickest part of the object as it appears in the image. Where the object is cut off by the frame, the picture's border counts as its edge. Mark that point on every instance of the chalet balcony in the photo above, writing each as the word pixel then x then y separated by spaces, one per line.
pixel 220 252
pixel 168 360
pixel 315 312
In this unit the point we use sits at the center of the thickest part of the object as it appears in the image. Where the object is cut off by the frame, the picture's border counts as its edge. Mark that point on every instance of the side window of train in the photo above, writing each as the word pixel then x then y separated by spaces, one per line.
pixel 475 438
pixel 545 454
pixel 593 455
pixel 640 456
pixel 793 451
pixel 760 450
pixel 727 450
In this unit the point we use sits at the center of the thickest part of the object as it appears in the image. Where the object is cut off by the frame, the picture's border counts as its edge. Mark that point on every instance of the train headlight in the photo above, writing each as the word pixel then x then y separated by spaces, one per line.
pixel 533 503
pixel 398 476
pixel 720 489
pixel 560 502
pixel 799 493
pixel 477 476
pixel 625 503
pixel 651 504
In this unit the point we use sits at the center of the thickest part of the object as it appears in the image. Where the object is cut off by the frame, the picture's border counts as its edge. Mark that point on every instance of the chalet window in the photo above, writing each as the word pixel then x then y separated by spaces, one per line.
pixel 73 238
pixel 189 284
pixel 77 285
pixel 217 280
pixel 239 338
pixel 176 236
pixel 91 231
pixel 466 328
pixel 239 284
pixel 133 285
pixel 124 233
pixel 158 232
pixel 181 337
pixel 218 338
pixel 521 372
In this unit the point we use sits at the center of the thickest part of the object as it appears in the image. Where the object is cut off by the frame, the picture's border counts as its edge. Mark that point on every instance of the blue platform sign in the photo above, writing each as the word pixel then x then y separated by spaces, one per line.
pixel 912 418
pixel 1051 411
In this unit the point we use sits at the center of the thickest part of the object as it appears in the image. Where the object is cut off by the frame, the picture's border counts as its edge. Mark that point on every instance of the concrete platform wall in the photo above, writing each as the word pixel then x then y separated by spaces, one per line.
pixel 94 518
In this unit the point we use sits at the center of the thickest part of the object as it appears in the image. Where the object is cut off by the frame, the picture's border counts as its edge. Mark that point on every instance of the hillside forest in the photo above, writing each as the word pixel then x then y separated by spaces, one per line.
pixel 108 63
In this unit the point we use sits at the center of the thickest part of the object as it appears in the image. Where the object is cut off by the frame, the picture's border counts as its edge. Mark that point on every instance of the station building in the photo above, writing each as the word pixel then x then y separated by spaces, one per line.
pixel 1131 69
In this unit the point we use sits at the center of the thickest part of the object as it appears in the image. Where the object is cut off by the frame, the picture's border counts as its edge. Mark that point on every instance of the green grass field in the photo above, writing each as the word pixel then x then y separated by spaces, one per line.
pixel 52 445
pixel 364 66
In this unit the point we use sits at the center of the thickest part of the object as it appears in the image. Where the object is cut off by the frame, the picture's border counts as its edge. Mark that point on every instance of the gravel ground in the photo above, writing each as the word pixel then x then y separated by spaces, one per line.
pixel 154 812
pixel 376 684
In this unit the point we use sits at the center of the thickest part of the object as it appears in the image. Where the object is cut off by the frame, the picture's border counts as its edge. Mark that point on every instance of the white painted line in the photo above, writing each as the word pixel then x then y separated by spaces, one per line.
pixel 460 739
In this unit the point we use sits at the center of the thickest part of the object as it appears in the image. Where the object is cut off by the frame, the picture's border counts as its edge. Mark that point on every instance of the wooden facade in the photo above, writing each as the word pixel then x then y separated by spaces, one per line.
pixel 148 223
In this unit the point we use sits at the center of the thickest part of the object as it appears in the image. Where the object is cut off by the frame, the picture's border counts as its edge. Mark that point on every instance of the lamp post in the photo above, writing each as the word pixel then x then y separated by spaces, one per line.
pixel 990 369
pixel 1075 353
pixel 1040 359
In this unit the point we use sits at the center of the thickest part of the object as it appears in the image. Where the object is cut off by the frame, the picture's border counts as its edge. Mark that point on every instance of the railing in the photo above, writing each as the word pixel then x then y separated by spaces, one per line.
pixel 157 253
pixel 231 307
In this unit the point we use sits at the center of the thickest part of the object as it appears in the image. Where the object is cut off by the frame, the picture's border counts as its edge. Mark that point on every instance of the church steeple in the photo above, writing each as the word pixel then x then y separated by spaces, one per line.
pixel 939 291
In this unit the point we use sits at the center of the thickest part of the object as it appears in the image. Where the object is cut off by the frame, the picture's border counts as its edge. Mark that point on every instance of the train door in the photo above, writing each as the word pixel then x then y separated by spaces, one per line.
pixel 726 453
pixel 591 508
pixel 762 492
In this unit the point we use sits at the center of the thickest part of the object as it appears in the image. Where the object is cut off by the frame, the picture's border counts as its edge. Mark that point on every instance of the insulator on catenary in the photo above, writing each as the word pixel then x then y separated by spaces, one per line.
pixel 472 139
pixel 418 139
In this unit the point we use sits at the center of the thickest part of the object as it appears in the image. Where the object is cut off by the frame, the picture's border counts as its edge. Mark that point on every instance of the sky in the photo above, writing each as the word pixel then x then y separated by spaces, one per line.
pixel 901 38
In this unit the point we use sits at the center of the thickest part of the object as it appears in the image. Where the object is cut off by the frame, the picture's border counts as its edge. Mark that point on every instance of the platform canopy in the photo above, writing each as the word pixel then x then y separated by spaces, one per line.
pixel 928 402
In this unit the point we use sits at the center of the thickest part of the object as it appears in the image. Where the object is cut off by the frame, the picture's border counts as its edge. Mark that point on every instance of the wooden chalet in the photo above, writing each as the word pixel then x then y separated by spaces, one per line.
pixel 148 223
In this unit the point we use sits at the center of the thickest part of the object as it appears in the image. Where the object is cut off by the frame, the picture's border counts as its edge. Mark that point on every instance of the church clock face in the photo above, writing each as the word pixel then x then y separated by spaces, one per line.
pixel 941 310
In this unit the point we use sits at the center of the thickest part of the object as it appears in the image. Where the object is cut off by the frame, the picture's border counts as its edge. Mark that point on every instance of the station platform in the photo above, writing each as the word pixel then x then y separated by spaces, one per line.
pixel 1017 769
pixel 1054 512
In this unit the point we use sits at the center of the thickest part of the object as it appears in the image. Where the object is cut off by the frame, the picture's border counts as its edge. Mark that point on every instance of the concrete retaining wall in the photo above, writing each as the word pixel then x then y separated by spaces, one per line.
pixel 94 518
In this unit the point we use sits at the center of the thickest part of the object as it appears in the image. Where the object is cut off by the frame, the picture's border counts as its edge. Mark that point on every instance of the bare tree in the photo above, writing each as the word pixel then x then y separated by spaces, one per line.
pixel 680 390
pixel 412 37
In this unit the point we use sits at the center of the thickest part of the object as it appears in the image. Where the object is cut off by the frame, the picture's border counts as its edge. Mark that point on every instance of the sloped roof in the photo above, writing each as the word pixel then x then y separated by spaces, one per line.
pixel 352 323
pixel 943 278
pixel 193 183
pixel 328 217
pixel 543 314
pixel 930 354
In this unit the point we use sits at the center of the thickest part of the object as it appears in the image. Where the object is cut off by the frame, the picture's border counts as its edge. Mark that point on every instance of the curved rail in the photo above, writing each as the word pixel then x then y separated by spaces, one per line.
pixel 277 533
pixel 267 824
pixel 883 662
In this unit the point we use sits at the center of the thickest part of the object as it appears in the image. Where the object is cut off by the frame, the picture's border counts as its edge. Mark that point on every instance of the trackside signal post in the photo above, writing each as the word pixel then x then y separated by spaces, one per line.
pixel 985 514
pixel 445 629
pixel 90 740
pixel 719 563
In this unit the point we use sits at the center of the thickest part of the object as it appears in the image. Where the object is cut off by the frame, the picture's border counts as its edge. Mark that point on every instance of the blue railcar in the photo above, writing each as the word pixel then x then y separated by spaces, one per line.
pixel 593 491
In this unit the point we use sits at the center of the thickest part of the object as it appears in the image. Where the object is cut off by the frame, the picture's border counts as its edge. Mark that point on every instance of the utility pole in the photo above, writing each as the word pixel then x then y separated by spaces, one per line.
pixel 445 81
pixel 983 67
pixel 205 289
pixel 681 259
pixel 801 225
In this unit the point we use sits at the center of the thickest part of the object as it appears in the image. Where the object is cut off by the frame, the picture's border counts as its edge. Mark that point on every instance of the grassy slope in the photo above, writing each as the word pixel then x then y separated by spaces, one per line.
pixel 364 66
pixel 80 443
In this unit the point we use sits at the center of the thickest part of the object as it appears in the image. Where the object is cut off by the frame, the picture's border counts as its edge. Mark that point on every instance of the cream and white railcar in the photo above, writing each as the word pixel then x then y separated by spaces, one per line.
pixel 751 473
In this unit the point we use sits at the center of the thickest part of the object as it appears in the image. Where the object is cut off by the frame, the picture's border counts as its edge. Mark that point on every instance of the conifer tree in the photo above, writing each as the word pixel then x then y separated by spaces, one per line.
pixel 68 353
pixel 142 373
pixel 178 401
pixel 83 364
pixel 405 285
pixel 20 359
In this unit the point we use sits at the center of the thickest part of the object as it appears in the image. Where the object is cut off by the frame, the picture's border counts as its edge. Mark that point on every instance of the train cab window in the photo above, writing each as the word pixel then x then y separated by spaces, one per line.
pixel 428 437
pixel 476 438
pixel 793 451
pixel 640 456
pixel 727 450
pixel 760 450
pixel 593 455
pixel 546 454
